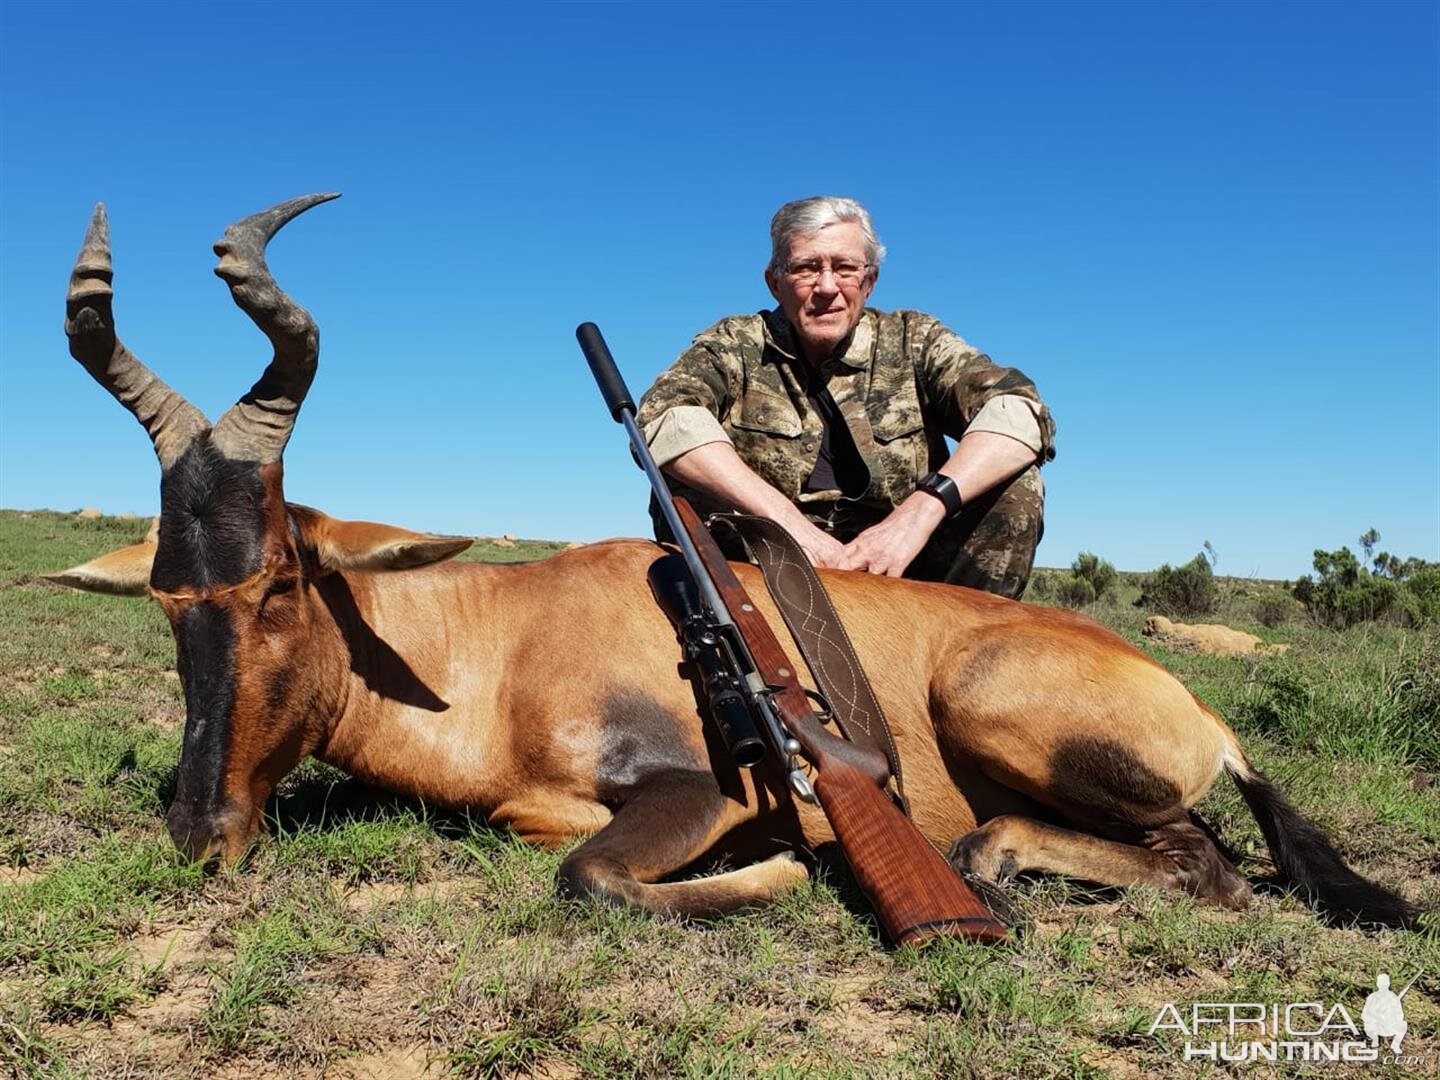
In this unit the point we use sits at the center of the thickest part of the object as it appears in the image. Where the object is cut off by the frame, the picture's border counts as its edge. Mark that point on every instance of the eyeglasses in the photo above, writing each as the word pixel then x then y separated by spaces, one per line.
pixel 812 270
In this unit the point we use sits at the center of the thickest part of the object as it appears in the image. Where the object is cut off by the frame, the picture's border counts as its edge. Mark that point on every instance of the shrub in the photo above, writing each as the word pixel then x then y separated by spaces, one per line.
pixel 1424 586
pixel 1344 592
pixel 1181 590
pixel 1073 591
pixel 1041 587
pixel 1099 573
pixel 1089 578
pixel 1271 611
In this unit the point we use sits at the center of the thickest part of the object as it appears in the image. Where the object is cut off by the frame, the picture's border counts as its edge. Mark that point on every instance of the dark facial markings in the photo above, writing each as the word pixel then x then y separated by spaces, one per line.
pixel 205 649
pixel 213 532
pixel 212 521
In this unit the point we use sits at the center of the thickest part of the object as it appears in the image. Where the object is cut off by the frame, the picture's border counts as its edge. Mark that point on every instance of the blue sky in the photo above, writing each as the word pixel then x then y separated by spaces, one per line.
pixel 1207 231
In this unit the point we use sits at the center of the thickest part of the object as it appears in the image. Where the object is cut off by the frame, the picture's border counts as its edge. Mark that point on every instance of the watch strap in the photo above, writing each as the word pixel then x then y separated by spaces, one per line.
pixel 943 488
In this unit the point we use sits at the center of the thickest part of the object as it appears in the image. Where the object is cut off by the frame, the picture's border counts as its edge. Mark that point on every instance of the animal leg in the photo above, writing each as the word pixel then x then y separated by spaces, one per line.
pixel 667 824
pixel 1175 856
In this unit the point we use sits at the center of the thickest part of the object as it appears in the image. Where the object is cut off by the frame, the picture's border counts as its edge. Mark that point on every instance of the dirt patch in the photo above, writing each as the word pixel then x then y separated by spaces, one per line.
pixel 867 1031
pixel 28 679
pixel 1118 1064
pixel 172 948
pixel 401 1063
pixel 153 1036
pixel 13 876
pixel 376 894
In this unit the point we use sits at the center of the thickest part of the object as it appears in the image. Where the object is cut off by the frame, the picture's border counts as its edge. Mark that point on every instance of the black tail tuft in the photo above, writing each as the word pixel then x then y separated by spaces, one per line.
pixel 1306 860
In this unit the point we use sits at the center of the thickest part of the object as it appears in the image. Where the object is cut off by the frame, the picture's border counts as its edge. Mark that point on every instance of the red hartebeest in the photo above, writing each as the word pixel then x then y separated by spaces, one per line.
pixel 549 696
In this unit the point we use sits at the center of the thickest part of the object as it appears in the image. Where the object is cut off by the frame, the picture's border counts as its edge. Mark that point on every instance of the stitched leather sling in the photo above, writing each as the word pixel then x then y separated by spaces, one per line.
pixel 815 625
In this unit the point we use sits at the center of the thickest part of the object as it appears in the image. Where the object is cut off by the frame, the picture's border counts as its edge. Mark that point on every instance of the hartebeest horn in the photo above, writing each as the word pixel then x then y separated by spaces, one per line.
pixel 171 421
pixel 257 427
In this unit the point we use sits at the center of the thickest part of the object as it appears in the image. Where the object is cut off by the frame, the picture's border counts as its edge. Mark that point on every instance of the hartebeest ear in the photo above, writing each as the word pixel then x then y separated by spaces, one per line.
pixel 125 572
pixel 367 545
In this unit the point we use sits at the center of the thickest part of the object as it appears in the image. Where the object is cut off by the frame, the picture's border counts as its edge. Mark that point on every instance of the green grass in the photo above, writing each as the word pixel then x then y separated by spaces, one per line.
pixel 274 953
pixel 67 930
pixel 368 931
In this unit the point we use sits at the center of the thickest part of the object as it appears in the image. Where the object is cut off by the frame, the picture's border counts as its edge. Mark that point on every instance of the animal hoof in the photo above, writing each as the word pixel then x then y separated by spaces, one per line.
pixel 980 853
pixel 962 854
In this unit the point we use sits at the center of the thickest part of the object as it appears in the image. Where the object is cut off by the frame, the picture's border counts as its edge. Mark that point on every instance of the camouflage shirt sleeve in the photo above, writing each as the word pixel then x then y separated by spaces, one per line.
pixel 958 381
pixel 689 400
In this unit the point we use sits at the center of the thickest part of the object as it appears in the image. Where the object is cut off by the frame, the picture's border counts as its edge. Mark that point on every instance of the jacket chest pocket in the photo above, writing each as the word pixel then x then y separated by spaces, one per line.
pixel 894 412
pixel 900 451
pixel 767 412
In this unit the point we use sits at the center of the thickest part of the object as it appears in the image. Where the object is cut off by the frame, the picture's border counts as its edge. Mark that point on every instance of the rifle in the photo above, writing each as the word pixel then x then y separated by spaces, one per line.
pixel 915 892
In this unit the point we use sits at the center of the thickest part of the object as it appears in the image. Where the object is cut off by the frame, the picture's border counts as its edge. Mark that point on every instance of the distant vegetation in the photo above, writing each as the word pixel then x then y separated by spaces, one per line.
pixel 1088 579
pixel 1344 591
pixel 1183 590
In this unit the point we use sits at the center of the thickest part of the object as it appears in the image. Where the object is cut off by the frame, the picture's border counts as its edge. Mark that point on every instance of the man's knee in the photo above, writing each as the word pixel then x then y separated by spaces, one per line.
pixel 991 544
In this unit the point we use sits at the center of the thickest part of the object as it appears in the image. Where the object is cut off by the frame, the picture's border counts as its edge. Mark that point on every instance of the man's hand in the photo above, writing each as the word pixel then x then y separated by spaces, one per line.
pixel 891 545
pixel 980 461
pixel 717 470
pixel 820 548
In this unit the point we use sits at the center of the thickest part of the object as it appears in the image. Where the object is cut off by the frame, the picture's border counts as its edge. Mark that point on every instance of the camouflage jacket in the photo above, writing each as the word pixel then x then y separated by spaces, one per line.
pixel 903 383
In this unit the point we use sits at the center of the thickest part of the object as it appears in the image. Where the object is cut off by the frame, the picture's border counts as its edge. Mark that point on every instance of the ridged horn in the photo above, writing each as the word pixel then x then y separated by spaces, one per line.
pixel 170 420
pixel 257 427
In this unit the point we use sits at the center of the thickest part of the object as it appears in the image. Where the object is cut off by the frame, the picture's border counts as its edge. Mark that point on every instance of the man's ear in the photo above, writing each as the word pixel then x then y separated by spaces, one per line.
pixel 125 572
pixel 772 282
pixel 367 545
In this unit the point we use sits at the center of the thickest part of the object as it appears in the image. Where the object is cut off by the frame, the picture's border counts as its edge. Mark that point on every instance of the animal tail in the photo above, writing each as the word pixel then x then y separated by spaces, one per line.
pixel 1306 860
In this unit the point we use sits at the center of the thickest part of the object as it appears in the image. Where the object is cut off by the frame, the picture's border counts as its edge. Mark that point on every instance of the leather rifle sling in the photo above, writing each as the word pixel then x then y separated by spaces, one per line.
pixel 815 625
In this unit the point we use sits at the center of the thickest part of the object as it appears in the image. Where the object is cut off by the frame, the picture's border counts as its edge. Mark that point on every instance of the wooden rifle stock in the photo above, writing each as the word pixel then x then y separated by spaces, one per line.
pixel 915 892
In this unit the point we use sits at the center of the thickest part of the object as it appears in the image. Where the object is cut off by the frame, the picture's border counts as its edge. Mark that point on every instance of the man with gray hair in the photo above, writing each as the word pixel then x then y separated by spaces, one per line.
pixel 830 418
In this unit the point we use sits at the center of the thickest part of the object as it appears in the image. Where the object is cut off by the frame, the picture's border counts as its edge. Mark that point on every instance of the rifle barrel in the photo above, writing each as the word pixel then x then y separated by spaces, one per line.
pixel 622 408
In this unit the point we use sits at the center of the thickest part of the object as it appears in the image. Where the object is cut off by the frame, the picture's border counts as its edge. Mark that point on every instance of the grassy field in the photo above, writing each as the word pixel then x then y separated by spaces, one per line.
pixel 372 936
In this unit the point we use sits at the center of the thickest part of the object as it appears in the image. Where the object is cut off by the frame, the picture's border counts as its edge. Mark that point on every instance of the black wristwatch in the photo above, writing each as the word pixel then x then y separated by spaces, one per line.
pixel 944 489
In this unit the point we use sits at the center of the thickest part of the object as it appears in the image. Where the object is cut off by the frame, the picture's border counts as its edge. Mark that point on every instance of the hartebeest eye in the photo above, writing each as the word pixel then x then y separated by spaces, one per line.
pixel 280 586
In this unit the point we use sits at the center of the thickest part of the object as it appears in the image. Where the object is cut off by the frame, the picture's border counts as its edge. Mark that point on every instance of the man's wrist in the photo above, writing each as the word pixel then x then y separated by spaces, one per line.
pixel 943 490
pixel 925 510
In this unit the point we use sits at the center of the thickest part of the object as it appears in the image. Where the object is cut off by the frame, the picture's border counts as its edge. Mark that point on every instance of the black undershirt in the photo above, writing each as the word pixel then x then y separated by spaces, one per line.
pixel 839 464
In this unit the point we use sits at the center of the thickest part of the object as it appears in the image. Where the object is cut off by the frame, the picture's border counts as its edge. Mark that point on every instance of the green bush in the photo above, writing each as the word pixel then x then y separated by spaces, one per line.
pixel 1099 573
pixel 1074 592
pixel 1272 610
pixel 1181 590
pixel 1344 592
pixel 1042 586
pixel 1089 578
pixel 1424 586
